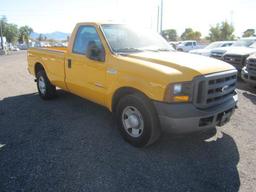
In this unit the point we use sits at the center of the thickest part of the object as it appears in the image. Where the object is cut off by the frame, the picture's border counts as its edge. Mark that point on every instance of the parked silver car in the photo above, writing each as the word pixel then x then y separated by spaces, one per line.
pixel 207 50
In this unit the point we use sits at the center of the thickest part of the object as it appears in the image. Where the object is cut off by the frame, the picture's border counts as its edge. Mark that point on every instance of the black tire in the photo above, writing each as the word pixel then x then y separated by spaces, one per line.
pixel 50 90
pixel 151 129
pixel 180 50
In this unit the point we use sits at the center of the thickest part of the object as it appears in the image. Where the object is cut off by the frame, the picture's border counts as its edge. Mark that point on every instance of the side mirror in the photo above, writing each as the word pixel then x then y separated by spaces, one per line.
pixel 94 52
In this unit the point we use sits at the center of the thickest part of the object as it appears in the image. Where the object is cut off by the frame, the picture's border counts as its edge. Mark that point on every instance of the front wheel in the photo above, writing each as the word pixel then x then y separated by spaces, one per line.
pixel 137 120
pixel 45 89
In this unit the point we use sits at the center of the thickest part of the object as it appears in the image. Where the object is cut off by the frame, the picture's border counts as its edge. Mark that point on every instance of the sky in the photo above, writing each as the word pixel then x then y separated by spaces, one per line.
pixel 46 16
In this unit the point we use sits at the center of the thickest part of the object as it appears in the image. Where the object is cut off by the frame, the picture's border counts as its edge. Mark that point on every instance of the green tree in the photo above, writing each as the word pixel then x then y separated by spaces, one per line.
pixel 170 34
pixel 189 34
pixel 24 33
pixel 11 33
pixel 40 37
pixel 249 33
pixel 221 32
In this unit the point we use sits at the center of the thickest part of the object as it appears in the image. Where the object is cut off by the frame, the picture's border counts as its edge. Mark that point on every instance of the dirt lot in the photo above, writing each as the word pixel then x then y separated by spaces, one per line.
pixel 70 144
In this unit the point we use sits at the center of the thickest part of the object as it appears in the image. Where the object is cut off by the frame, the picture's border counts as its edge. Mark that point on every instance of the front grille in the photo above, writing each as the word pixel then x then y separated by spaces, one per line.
pixel 251 68
pixel 217 55
pixel 237 60
pixel 214 89
pixel 251 65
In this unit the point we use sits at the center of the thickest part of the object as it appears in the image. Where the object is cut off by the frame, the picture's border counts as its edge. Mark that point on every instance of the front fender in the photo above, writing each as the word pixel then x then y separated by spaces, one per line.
pixel 152 90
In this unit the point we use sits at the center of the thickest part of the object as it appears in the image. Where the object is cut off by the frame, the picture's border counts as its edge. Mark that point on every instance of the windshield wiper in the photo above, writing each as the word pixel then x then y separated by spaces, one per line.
pixel 156 50
pixel 128 49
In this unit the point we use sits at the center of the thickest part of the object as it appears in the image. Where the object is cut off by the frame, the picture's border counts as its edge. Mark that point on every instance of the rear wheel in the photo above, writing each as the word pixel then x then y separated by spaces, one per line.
pixel 45 89
pixel 137 120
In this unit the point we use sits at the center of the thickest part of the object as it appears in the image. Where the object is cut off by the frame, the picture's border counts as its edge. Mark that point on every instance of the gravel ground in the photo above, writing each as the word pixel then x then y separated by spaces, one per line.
pixel 70 144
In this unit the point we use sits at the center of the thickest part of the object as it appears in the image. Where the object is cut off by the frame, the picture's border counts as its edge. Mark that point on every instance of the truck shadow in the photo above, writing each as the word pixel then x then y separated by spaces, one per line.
pixel 70 144
pixel 250 96
pixel 247 91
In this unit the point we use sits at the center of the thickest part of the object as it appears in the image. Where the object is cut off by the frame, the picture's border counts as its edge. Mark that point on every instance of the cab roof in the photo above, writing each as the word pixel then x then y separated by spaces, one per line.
pixel 97 23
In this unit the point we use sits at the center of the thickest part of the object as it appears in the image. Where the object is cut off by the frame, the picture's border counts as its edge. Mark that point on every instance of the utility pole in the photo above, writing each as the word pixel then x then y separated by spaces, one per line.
pixel 161 17
pixel 157 24
pixel 1 34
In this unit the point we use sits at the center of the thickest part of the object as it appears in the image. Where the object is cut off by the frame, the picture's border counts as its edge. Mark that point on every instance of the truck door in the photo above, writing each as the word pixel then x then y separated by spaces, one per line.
pixel 84 76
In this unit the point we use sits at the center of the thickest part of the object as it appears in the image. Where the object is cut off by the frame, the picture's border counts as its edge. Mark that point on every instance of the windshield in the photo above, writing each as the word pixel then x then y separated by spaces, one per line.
pixel 213 45
pixel 122 38
pixel 244 42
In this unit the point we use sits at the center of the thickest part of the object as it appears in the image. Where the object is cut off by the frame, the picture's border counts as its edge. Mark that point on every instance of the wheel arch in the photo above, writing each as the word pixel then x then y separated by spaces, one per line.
pixel 38 67
pixel 121 92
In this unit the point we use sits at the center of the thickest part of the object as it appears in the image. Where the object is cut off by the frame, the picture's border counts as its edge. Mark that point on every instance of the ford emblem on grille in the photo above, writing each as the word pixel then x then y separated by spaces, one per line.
pixel 223 89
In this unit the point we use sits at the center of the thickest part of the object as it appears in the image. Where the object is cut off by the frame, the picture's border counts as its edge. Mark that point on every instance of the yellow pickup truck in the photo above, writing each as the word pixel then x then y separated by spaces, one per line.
pixel 149 87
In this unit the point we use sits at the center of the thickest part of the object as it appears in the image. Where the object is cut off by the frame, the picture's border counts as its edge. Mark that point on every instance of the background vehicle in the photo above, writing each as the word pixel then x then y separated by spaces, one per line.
pixel 186 46
pixel 3 50
pixel 174 44
pixel 207 50
pixel 249 71
pixel 13 47
pixel 4 42
pixel 237 57
pixel 240 46
pixel 23 46
pixel 135 75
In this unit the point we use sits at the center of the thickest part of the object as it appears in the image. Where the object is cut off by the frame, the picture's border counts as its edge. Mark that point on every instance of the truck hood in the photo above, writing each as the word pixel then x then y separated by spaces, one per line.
pixel 198 50
pixel 241 50
pixel 252 56
pixel 183 62
pixel 235 50
pixel 205 52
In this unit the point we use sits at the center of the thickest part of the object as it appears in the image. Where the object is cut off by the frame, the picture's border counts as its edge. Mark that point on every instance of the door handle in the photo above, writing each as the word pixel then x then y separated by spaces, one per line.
pixel 69 63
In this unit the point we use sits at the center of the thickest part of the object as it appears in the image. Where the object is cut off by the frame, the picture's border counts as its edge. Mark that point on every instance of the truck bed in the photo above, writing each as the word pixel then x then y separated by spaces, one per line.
pixel 53 59
pixel 55 49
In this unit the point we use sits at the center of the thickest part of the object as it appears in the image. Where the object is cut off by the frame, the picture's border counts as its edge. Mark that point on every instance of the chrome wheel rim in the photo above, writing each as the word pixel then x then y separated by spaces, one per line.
pixel 132 121
pixel 41 85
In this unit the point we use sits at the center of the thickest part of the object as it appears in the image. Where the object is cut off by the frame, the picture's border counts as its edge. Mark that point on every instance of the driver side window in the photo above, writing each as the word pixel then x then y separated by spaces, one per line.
pixel 85 35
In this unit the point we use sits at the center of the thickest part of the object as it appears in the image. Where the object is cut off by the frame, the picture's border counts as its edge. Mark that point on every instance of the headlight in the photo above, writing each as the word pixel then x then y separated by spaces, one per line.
pixel 179 92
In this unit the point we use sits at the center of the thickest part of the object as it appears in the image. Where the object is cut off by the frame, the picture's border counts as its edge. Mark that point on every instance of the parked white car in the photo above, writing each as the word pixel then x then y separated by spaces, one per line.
pixel 186 46
pixel 13 47
pixel 4 43
pixel 207 50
